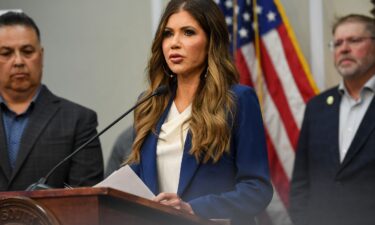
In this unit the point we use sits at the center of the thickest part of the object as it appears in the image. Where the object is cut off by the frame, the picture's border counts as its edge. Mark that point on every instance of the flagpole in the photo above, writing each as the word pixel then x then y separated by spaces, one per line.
pixel 259 79
pixel 234 30
pixel 317 42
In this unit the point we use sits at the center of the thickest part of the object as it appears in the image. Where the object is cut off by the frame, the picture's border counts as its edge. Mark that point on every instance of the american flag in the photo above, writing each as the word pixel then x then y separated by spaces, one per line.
pixel 267 55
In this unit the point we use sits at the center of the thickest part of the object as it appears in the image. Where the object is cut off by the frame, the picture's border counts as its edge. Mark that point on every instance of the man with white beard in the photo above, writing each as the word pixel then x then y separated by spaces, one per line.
pixel 333 180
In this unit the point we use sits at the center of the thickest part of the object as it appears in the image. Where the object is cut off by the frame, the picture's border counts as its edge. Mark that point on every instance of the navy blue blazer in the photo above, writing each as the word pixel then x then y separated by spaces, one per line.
pixel 238 185
pixel 323 190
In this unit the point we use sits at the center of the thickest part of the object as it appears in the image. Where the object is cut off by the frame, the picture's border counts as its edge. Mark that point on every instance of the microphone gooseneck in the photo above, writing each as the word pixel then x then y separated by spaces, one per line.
pixel 41 184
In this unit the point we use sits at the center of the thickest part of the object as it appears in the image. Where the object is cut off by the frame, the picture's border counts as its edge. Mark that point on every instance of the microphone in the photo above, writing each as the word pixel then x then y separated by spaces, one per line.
pixel 41 184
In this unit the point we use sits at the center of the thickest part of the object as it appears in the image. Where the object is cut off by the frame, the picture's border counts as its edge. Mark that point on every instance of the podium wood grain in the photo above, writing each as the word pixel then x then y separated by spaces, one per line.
pixel 99 206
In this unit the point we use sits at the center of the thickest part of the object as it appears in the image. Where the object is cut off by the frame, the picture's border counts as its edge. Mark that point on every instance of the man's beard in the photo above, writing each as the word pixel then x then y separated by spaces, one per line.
pixel 359 68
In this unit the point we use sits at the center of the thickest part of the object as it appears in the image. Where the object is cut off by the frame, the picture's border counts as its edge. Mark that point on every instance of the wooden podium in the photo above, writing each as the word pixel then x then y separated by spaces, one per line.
pixel 88 206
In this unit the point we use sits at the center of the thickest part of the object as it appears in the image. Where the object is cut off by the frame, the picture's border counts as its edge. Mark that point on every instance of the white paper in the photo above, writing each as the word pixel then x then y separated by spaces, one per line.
pixel 124 179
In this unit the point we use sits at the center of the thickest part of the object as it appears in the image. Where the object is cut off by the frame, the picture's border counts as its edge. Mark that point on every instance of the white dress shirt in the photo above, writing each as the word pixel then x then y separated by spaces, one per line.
pixel 351 114
pixel 170 148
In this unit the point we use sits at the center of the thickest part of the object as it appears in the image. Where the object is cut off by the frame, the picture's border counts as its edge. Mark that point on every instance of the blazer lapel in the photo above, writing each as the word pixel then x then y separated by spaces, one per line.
pixel 43 112
pixel 366 127
pixel 4 157
pixel 331 119
pixel 148 162
pixel 189 166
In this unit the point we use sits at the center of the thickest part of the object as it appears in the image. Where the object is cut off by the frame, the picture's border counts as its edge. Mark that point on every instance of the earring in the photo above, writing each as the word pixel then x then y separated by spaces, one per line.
pixel 204 75
pixel 170 75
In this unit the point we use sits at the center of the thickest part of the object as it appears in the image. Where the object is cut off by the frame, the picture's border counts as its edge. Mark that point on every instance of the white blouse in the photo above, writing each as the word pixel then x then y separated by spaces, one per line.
pixel 170 148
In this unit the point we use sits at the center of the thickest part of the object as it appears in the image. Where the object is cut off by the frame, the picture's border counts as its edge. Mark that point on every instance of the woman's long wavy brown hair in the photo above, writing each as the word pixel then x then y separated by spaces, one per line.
pixel 213 103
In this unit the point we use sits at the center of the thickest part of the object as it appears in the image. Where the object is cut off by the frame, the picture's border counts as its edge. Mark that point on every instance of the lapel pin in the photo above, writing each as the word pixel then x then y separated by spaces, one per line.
pixel 330 100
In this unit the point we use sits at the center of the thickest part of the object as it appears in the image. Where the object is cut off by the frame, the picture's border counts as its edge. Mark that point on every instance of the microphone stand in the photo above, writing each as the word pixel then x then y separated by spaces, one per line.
pixel 41 184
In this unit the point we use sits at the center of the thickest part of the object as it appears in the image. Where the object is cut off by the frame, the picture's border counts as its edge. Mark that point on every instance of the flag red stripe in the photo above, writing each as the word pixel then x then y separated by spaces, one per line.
pixel 278 175
pixel 277 93
pixel 245 77
pixel 298 72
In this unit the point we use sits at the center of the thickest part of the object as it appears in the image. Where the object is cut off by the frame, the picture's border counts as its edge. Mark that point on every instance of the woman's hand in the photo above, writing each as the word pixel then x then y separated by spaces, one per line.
pixel 172 199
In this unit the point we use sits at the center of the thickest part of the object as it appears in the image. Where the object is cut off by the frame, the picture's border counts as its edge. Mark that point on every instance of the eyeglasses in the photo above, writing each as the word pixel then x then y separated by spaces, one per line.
pixel 351 41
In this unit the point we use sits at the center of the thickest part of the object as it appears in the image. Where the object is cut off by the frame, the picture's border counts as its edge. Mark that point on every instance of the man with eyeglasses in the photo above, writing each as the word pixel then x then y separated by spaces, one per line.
pixel 333 181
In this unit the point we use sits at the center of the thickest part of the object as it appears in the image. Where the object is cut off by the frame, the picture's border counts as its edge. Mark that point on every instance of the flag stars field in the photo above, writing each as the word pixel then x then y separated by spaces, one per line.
pixel 271 16
pixel 258 9
pixel 246 17
pixel 243 32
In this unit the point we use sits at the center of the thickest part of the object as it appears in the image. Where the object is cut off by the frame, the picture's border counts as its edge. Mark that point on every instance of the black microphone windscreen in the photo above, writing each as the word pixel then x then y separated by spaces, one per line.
pixel 41 184
pixel 161 90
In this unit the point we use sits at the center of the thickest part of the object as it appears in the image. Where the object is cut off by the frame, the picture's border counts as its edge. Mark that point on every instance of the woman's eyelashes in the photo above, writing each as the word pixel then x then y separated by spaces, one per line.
pixel 167 33
pixel 189 32
pixel 186 32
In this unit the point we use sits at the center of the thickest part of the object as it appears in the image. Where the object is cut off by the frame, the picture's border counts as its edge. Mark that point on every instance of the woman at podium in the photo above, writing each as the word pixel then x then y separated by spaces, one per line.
pixel 201 146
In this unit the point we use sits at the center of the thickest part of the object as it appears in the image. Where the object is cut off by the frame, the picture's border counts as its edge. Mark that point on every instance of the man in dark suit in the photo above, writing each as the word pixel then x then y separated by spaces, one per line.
pixel 334 173
pixel 37 128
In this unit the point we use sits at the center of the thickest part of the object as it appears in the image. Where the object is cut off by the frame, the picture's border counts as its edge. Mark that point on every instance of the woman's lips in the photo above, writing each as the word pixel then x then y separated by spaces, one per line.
pixel 175 58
